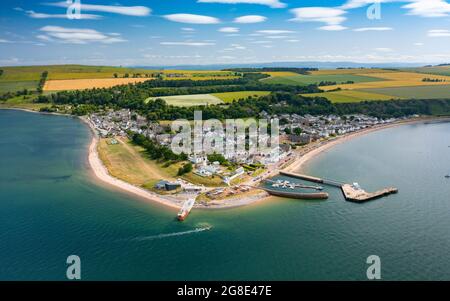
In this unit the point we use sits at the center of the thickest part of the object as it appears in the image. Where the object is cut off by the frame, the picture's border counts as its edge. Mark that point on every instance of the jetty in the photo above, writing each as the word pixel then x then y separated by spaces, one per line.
pixel 352 192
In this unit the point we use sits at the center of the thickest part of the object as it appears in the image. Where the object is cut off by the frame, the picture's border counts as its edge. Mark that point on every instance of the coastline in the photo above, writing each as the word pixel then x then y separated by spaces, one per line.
pixel 304 155
pixel 309 152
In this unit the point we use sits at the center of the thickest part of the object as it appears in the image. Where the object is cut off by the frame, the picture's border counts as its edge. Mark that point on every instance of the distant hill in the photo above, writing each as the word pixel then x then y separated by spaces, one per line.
pixel 312 64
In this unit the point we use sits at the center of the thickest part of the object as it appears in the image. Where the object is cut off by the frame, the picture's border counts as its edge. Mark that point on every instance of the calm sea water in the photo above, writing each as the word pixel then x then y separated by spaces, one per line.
pixel 51 208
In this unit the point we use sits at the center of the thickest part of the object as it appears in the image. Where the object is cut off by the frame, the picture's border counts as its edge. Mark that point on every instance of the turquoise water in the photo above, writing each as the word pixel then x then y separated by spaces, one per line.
pixel 50 208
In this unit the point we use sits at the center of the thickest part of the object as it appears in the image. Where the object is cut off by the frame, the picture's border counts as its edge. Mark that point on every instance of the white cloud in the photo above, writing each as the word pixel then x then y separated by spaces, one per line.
pixel 274 31
pixel 192 19
pixel 36 15
pixel 373 29
pixel 384 49
pixel 350 4
pixel 292 41
pixel 333 17
pixel 419 44
pixel 77 35
pixel 438 33
pixel 195 44
pixel 423 8
pixel 276 37
pixel 428 8
pixel 250 19
pixel 229 29
pixel 137 11
pixel 333 27
pixel 4 41
pixel 270 3
pixel 261 42
pixel 189 29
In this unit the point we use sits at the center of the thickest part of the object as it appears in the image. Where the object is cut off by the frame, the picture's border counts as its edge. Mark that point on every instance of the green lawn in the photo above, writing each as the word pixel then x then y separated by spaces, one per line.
pixel 417 92
pixel 315 79
pixel 190 100
pixel 228 97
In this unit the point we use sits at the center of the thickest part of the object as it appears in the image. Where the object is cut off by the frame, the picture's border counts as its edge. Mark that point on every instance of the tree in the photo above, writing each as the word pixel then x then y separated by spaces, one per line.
pixel 185 169
pixel 298 131
pixel 116 75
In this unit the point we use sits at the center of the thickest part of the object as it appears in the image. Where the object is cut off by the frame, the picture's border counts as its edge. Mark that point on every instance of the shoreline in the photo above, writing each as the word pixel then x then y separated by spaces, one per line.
pixel 309 152
pixel 306 154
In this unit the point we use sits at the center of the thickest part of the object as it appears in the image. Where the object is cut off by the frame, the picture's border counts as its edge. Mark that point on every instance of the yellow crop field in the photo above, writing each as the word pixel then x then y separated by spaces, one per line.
pixel 280 73
pixel 81 84
pixel 393 79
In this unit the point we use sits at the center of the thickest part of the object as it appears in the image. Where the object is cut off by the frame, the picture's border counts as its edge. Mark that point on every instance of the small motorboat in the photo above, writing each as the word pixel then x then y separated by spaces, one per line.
pixel 447 176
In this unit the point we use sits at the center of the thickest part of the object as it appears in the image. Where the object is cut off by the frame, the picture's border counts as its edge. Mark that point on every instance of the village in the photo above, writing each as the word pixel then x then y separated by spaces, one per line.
pixel 241 170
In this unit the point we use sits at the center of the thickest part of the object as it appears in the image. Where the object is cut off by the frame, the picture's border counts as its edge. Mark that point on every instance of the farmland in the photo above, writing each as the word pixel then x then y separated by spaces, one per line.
pixel 81 84
pixel 393 79
pixel 231 96
pixel 208 99
pixel 13 86
pixel 70 77
pixel 316 79
pixel 346 96
pixel 419 92
pixel 190 100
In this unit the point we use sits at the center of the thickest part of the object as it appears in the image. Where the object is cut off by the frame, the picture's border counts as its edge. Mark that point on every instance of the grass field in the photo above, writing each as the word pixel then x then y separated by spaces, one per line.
pixel 419 92
pixel 129 163
pixel 348 71
pixel 315 79
pixel 228 97
pixel 347 96
pixel 444 70
pixel 190 100
pixel 13 86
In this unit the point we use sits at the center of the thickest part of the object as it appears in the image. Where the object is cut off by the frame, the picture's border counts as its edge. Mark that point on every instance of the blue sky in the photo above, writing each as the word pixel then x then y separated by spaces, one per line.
pixel 173 32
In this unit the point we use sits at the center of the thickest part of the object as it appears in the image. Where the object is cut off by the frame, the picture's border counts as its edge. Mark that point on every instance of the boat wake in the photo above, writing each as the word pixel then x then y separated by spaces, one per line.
pixel 166 235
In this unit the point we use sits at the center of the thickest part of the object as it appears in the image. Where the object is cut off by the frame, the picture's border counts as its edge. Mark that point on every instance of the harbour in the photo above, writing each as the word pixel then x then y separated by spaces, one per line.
pixel 352 192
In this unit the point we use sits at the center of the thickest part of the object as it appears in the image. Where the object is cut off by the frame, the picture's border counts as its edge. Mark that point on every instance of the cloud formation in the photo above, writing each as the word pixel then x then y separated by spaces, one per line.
pixel 250 19
pixel 194 44
pixel 438 33
pixel 363 29
pixel 35 15
pixel 270 3
pixel 77 35
pixel 192 19
pixel 332 17
pixel 137 11
pixel 229 29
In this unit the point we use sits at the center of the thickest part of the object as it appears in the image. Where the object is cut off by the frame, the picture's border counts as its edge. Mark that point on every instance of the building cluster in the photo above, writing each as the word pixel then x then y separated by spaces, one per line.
pixel 117 123
pixel 305 129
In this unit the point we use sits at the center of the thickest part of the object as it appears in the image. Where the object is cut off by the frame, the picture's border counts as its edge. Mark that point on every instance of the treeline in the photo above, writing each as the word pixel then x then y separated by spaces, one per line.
pixel 155 150
pixel 1 72
pixel 8 95
pixel 396 108
pixel 274 69
pixel 275 103
pixel 42 81
pixel 331 83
